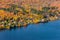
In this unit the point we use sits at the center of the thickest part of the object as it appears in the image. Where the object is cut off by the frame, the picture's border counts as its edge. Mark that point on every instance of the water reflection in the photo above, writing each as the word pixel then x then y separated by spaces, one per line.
pixel 46 31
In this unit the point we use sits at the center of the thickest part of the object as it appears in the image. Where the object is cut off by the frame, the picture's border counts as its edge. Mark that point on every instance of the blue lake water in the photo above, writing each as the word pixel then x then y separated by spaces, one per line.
pixel 41 31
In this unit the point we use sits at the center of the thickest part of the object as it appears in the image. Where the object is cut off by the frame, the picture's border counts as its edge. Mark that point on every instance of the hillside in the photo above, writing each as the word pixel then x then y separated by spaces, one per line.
pixel 33 3
pixel 19 13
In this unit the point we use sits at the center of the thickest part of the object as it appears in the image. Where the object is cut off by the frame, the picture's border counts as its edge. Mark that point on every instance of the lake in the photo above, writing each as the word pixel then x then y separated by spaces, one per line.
pixel 41 31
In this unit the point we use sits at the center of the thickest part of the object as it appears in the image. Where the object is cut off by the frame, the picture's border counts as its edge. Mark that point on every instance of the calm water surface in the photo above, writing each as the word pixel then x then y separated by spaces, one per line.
pixel 46 31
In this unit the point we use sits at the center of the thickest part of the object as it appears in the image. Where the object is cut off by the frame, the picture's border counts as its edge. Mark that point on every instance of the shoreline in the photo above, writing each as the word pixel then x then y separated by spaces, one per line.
pixel 18 16
pixel 46 21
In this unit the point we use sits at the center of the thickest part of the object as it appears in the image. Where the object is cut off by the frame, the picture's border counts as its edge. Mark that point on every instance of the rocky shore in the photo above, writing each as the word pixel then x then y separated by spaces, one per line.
pixel 17 16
